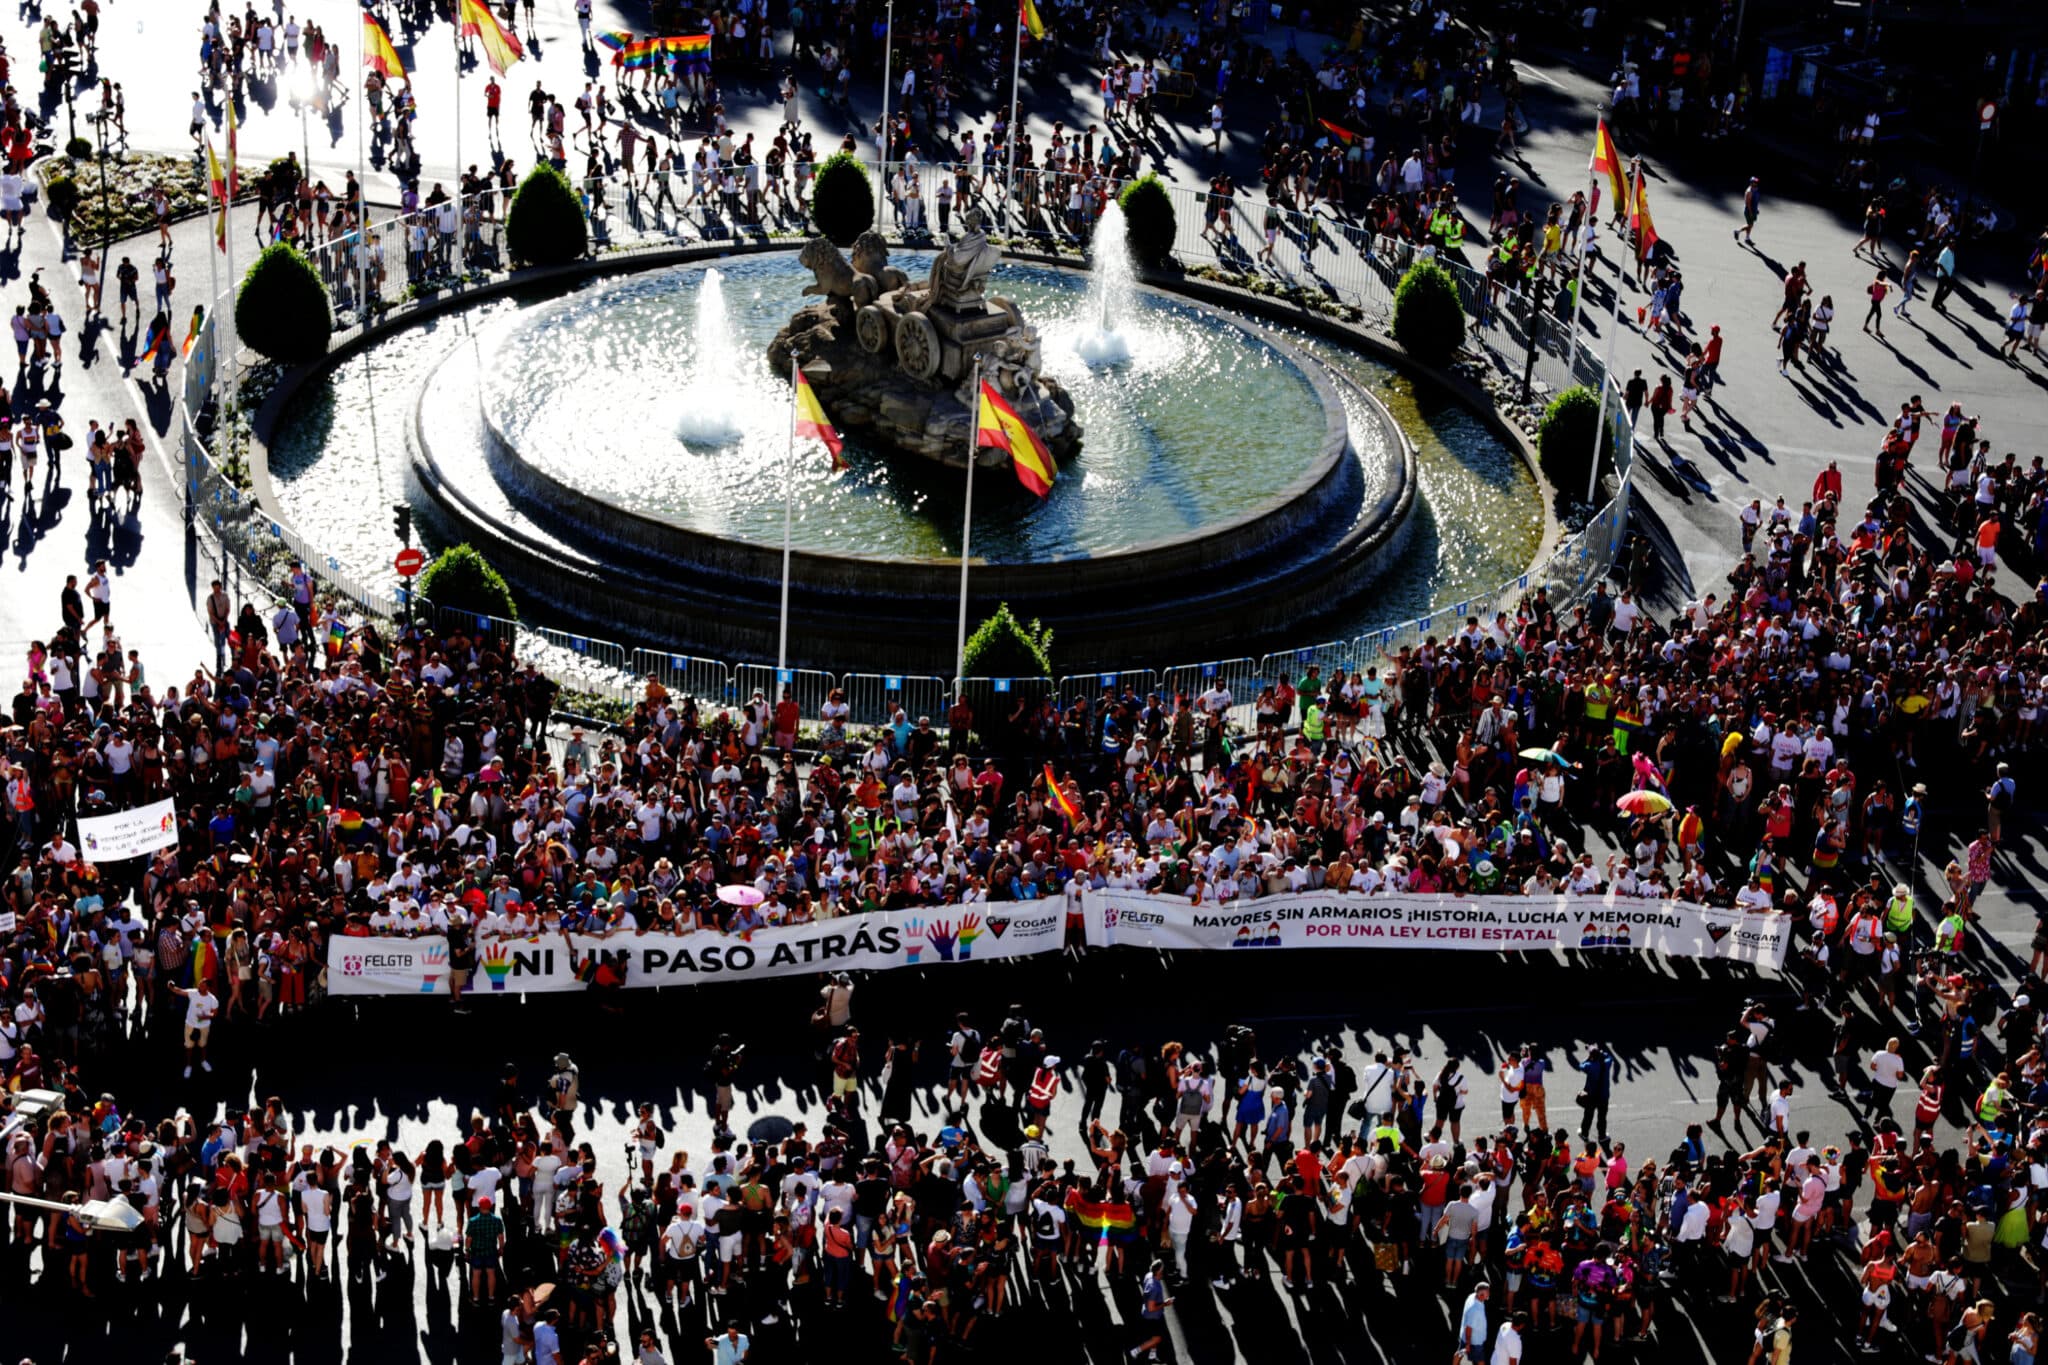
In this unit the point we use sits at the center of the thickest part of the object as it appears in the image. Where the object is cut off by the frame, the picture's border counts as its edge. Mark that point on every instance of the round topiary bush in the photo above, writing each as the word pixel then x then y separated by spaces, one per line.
pixel 1564 439
pixel 63 192
pixel 282 310
pixel 545 225
pixel 1428 320
pixel 463 580
pixel 79 149
pixel 1148 220
pixel 842 199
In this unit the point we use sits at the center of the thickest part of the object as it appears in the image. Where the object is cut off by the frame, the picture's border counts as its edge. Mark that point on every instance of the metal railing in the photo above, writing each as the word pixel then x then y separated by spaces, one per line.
pixel 1316 251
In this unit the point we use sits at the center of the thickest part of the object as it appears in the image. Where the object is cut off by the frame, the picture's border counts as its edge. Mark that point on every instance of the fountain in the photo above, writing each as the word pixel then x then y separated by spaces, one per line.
pixel 1109 294
pixel 711 390
pixel 897 359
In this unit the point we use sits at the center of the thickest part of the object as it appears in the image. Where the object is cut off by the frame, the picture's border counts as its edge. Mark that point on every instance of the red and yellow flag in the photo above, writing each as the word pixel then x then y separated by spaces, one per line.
pixel 501 49
pixel 234 175
pixel 378 53
pixel 1607 162
pixel 217 189
pixel 1058 796
pixel 1027 18
pixel 999 427
pixel 812 422
pixel 1639 219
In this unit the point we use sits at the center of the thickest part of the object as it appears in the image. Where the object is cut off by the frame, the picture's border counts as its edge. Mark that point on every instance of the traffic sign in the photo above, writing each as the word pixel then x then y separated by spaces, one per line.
pixel 1986 112
pixel 410 561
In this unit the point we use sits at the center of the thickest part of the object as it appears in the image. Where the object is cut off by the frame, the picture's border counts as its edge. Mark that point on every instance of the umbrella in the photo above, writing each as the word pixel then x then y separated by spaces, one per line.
pixel 741 895
pixel 1645 803
pixel 1547 756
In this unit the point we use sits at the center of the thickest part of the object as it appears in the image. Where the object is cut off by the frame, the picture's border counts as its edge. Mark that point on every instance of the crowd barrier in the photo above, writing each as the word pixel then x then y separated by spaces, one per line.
pixel 251 552
pixel 1002 930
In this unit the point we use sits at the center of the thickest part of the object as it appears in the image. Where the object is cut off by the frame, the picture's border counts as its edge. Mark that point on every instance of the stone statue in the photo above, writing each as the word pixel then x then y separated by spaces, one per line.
pixel 898 358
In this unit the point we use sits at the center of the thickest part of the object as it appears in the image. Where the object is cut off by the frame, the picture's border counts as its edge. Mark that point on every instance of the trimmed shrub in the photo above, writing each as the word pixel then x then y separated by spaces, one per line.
pixel 1564 440
pixel 1428 320
pixel 79 149
pixel 1004 647
pixel 281 310
pixel 1148 220
pixel 63 192
pixel 545 225
pixel 462 579
pixel 842 199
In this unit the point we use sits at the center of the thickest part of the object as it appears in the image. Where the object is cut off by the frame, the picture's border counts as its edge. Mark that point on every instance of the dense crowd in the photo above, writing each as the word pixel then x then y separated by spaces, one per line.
pixel 1780 744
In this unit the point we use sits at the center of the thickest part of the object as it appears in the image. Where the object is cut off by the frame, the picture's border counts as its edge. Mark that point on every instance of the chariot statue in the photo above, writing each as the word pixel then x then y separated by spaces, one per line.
pixel 899 357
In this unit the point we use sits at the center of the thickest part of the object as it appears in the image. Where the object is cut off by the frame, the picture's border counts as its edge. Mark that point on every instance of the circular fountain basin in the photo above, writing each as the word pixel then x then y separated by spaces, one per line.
pixel 407 414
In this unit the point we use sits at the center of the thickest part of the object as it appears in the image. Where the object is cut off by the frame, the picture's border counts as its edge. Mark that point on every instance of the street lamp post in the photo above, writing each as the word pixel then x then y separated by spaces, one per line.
pixel 100 1215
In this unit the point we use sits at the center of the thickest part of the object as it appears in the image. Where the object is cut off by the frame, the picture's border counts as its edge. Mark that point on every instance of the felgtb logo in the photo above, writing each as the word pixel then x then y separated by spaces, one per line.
pixel 351 966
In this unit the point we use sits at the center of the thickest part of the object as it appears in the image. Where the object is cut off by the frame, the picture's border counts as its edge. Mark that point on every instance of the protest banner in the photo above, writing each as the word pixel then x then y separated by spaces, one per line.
pixel 128 833
pixel 1482 923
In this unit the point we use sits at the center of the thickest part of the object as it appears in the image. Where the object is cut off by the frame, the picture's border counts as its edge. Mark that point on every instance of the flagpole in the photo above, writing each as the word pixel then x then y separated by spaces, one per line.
pixel 1607 366
pixel 212 275
pixel 967 528
pixel 458 108
pixel 361 208
pixel 788 516
pixel 1010 141
pixel 229 179
pixel 888 51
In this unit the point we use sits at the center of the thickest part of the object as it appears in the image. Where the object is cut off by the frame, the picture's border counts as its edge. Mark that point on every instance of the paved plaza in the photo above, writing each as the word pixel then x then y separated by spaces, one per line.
pixel 410 1071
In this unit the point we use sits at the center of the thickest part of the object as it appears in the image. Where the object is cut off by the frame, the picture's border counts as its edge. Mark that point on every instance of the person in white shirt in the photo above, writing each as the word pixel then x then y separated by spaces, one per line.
pixel 1507 1346
pixel 201 1005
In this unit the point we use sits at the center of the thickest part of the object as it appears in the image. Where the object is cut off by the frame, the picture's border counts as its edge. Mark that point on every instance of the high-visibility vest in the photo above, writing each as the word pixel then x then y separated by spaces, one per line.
pixel 21 794
pixel 1454 233
pixel 1044 1086
pixel 1898 914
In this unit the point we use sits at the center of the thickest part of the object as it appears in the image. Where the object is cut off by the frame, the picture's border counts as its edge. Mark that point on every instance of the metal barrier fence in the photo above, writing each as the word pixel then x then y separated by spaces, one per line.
pixel 409 258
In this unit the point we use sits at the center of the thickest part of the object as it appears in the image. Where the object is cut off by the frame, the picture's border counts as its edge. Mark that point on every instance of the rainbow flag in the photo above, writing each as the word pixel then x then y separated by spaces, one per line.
pixel 1028 20
pixel 999 427
pixel 1059 798
pixel 1109 1220
pixel 1607 162
pixel 205 958
pixel 501 48
pixel 812 422
pixel 157 340
pixel 899 1299
pixel 1342 134
pixel 379 54
pixel 615 38
pixel 192 332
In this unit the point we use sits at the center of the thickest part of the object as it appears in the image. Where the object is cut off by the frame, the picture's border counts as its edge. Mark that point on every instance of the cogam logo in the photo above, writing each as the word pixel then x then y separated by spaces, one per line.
pixel 996 925
pixel 351 966
pixel 497 965
pixel 1717 932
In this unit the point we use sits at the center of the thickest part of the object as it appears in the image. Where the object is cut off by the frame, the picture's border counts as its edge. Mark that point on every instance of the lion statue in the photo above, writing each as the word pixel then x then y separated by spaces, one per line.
pixel 834 275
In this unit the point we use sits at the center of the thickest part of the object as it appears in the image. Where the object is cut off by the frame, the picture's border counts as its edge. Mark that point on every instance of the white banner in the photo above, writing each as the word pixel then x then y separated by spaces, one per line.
pixel 953 933
pixel 1485 923
pixel 128 833
pixel 877 942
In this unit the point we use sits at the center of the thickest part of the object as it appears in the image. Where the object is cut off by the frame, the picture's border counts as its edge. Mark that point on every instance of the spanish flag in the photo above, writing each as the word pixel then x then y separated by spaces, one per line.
pixel 192 332
pixel 378 53
pixel 234 172
pixel 217 185
pixel 1639 219
pixel 1607 162
pixel 1027 18
pixel 501 49
pixel 812 422
pixel 998 426
pixel 1058 796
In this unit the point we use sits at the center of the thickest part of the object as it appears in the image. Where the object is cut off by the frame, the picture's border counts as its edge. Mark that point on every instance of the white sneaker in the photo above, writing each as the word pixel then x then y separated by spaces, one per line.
pixel 206 1066
pixel 188 1072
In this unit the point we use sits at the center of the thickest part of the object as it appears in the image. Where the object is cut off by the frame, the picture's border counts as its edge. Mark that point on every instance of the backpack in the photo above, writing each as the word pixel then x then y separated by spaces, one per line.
pixel 1044 1226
